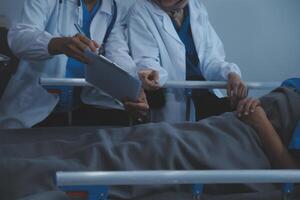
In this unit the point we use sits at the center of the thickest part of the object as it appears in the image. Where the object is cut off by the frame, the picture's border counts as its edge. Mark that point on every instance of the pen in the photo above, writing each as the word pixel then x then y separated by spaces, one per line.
pixel 79 29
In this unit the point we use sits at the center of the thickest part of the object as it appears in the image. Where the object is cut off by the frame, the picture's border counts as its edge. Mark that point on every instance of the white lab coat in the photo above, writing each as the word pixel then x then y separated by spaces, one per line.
pixel 155 44
pixel 26 103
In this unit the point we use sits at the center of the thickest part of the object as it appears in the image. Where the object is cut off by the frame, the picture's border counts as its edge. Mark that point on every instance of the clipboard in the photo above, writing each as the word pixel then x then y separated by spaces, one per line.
pixel 111 78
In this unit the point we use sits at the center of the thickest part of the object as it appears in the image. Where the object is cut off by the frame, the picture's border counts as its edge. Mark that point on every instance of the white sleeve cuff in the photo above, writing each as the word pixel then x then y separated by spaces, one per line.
pixel 163 74
pixel 43 40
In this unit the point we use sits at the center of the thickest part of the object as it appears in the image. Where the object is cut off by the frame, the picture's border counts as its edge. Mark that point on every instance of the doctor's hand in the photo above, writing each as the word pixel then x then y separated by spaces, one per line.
pixel 72 46
pixel 139 109
pixel 150 79
pixel 236 89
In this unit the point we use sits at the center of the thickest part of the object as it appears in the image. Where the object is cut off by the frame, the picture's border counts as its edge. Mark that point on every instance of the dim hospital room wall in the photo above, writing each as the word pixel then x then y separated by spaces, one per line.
pixel 261 36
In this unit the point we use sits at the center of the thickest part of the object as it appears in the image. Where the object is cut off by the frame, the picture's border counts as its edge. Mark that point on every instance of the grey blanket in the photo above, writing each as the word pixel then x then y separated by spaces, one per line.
pixel 30 158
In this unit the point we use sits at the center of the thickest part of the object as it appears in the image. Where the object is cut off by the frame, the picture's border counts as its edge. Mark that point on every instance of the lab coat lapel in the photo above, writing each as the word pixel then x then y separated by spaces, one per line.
pixel 169 28
pixel 197 27
pixel 167 23
pixel 101 21
pixel 68 14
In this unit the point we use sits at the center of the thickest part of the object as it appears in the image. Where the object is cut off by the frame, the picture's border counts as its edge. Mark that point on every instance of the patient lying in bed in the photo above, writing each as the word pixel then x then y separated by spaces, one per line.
pixel 258 140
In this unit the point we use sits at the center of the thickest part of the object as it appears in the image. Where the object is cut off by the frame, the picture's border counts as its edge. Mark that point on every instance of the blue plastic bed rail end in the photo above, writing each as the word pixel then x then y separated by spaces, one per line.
pixel 188 92
pixel 288 188
pixel 94 192
pixel 198 189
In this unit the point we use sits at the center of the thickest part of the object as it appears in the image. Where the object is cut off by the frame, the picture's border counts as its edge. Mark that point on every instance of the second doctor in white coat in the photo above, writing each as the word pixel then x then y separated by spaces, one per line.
pixel 160 52
pixel 42 38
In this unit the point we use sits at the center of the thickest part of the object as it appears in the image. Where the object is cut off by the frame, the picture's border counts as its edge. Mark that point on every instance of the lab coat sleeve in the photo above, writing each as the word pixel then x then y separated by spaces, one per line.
pixel 117 48
pixel 144 47
pixel 28 38
pixel 214 67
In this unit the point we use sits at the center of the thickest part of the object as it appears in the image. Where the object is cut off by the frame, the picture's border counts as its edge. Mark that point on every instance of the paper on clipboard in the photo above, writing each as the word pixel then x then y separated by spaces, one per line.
pixel 111 78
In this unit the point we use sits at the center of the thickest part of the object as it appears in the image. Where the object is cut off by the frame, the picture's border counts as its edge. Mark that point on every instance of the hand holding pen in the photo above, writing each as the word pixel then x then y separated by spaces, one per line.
pixel 98 49
pixel 73 46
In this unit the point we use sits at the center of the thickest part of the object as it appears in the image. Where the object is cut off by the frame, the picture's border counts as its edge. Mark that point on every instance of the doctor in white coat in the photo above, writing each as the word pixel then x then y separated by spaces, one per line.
pixel 174 40
pixel 45 39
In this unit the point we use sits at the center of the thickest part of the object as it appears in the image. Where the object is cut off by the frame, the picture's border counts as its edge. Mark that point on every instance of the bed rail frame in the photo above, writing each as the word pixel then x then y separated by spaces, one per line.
pixel 79 181
pixel 170 84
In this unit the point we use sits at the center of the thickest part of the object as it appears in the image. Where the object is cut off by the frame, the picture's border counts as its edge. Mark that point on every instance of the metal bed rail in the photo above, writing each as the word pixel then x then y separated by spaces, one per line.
pixel 169 84
pixel 177 177
pixel 96 183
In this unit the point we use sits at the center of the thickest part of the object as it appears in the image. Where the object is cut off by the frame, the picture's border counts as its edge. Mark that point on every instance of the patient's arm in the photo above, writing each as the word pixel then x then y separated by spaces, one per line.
pixel 250 111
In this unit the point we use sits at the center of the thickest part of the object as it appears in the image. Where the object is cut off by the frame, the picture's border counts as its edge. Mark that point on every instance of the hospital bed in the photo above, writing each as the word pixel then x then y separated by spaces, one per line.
pixel 97 183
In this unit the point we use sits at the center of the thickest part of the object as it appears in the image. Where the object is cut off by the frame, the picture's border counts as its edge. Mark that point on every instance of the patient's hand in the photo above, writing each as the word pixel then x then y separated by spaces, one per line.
pixel 251 112
pixel 247 106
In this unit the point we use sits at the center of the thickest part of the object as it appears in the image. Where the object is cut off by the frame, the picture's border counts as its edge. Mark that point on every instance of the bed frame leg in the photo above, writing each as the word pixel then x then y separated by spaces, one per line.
pixel 87 192
pixel 287 189
pixel 197 191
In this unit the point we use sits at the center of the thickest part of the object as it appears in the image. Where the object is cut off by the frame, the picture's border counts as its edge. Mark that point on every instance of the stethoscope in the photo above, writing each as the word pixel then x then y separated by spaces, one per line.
pixel 79 18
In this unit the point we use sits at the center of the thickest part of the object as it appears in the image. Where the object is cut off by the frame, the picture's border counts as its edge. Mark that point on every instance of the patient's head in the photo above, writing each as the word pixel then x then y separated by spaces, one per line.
pixel 282 107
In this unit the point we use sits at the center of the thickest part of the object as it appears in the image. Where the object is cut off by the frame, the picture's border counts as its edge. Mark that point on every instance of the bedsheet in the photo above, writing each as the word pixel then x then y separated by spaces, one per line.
pixel 30 158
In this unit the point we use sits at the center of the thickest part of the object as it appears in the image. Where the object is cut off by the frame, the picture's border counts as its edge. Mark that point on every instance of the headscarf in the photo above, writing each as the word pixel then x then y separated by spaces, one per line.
pixel 176 11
